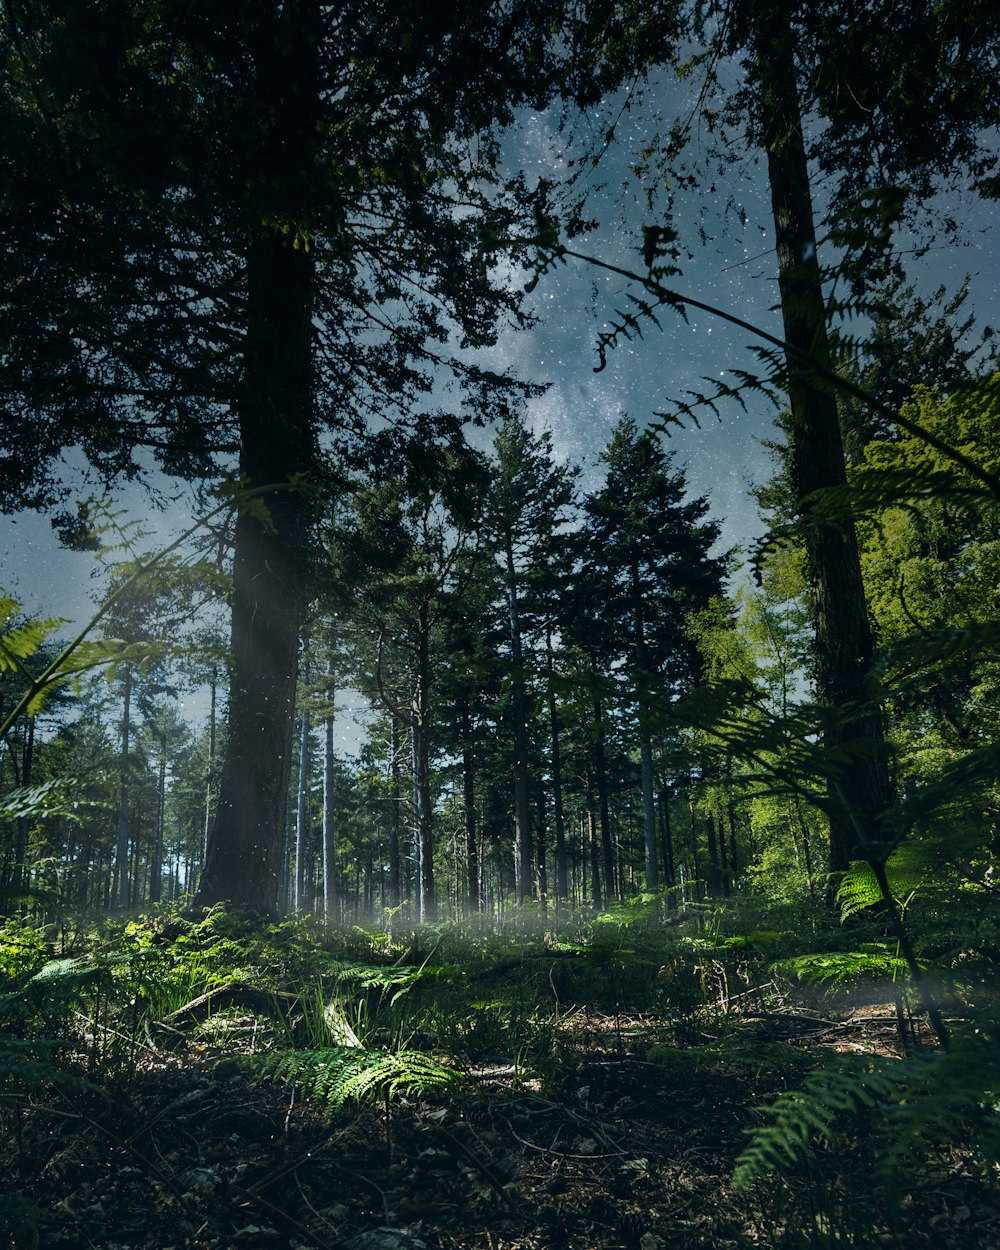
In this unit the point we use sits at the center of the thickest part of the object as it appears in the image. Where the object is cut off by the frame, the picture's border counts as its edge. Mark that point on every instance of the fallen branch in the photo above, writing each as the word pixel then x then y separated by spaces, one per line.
pixel 238 994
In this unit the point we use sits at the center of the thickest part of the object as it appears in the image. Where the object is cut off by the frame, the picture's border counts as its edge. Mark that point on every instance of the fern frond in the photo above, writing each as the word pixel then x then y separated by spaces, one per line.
pixel 801 1119
pixel 55 797
pixel 335 1075
pixel 858 889
pixel 836 968
pixel 915 1106
pixel 29 1064
pixel 24 641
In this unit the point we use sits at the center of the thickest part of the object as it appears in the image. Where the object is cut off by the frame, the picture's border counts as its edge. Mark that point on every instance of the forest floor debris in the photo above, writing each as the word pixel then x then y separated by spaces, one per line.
pixel 620 1143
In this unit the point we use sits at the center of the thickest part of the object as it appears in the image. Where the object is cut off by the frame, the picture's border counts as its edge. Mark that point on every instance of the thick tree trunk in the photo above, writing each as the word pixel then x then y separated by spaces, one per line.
pixel 277 449
pixel 858 779
pixel 269 571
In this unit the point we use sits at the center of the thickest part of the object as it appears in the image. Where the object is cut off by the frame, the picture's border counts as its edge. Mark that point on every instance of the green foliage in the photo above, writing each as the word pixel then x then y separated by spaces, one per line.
pixel 23 641
pixel 912 1107
pixel 337 1075
pixel 839 969
pixel 59 796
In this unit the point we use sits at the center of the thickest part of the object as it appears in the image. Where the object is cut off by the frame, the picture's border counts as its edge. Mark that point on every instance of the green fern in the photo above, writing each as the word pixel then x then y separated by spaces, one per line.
pixel 858 889
pixel 335 1075
pixel 833 969
pixel 799 1119
pixel 915 1106
pixel 23 641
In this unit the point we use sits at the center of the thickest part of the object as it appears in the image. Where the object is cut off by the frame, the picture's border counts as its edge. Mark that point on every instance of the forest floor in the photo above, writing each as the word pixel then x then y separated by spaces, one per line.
pixel 620 1143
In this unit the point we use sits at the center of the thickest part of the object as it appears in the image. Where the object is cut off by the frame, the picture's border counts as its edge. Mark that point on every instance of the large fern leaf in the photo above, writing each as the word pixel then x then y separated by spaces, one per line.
pixel 915 1105
pixel 335 1075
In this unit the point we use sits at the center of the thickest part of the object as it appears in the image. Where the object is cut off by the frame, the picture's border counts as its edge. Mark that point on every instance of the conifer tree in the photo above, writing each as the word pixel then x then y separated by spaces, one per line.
pixel 530 501
pixel 648 571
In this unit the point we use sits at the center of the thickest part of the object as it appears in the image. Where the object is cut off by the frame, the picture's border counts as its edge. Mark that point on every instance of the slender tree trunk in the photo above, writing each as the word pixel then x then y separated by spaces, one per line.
pixel 522 824
pixel 643 691
pixel 23 778
pixel 395 800
pixel 733 861
pixel 277 448
pixel 210 773
pixel 423 814
pixel 558 816
pixel 601 779
pixel 156 865
pixel 302 822
pixel 714 875
pixel 543 876
pixel 469 794
pixel 121 851
pixel 329 825
pixel 666 836
pixel 592 852
pixel 859 788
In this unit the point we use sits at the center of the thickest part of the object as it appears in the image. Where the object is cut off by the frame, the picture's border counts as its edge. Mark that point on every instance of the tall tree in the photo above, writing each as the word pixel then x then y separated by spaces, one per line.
pixel 410 555
pixel 649 571
pixel 237 224
pixel 907 107
pixel 530 502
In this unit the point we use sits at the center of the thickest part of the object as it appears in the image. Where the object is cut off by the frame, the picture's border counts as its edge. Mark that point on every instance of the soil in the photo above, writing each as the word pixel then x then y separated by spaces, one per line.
pixel 621 1144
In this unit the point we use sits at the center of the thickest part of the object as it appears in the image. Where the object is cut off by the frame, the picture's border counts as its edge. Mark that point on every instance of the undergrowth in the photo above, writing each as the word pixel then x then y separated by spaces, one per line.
pixel 343 1015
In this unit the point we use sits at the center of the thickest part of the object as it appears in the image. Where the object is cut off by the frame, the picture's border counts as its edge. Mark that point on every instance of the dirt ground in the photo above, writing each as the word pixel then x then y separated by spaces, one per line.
pixel 622 1145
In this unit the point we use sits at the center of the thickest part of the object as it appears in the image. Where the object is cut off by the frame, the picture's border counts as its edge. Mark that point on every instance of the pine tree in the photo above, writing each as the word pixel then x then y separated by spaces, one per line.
pixel 649 570
pixel 530 502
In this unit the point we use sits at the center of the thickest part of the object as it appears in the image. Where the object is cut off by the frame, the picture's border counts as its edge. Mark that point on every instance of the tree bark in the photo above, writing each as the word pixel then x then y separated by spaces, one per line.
pixel 522 821
pixel 395 799
pixel 329 826
pixel 121 847
pixel 23 778
pixel 601 779
pixel 278 449
pixel 558 815
pixel 423 812
pixel 302 807
pixel 210 772
pixel 642 682
pixel 269 573
pixel 469 795
pixel 666 836
pixel 156 865
pixel 859 788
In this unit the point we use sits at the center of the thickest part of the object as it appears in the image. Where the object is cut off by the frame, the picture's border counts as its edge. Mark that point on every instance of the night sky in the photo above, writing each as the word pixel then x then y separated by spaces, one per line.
pixel 734 267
